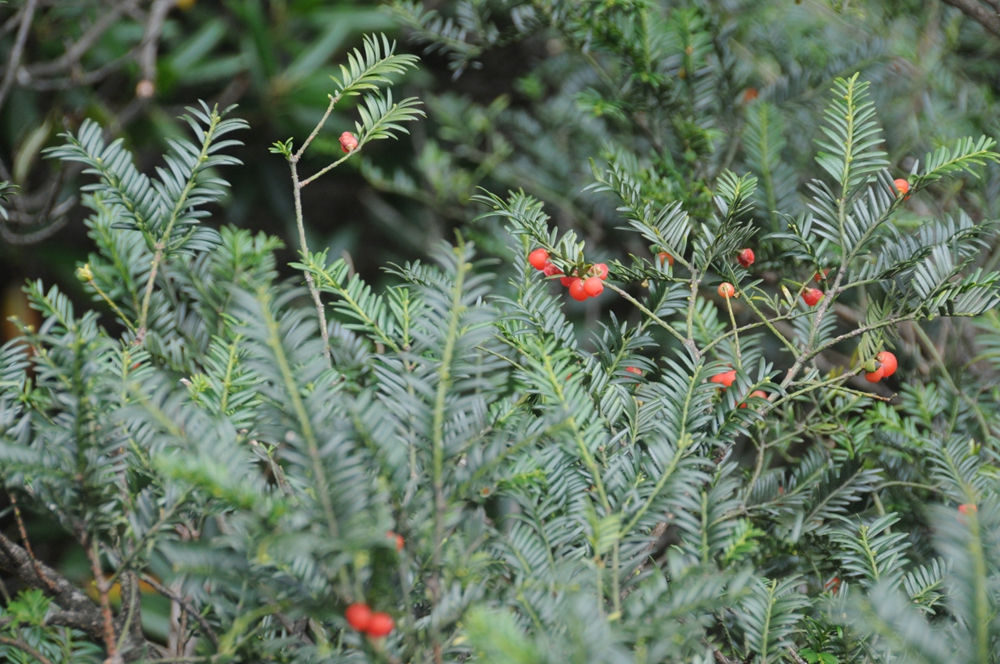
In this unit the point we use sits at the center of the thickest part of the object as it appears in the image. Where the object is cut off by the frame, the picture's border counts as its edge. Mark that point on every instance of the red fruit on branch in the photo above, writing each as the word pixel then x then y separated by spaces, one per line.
pixel 875 376
pixel 725 378
pixel 761 394
pixel 902 185
pixel 593 286
pixel 745 257
pixel 812 296
pixel 576 290
pixel 600 270
pixel 380 624
pixel 822 277
pixel 348 143
pixel 399 539
pixel 726 290
pixel 551 270
pixel 538 258
pixel 967 508
pixel 666 258
pixel 888 361
pixel 634 370
pixel 358 616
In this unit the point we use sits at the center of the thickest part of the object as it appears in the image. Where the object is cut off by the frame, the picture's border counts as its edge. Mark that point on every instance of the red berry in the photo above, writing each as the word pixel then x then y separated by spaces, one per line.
pixel 902 186
pixel 347 142
pixel 593 286
pixel 726 290
pixel 566 281
pixel 756 393
pixel 727 378
pixel 888 361
pixel 538 258
pixel 634 370
pixel 551 270
pixel 811 296
pixel 666 258
pixel 399 539
pixel 358 616
pixel 577 290
pixel 380 625
pixel 600 270
pixel 745 257
pixel 967 508
pixel 821 277
pixel 749 95
pixel 875 376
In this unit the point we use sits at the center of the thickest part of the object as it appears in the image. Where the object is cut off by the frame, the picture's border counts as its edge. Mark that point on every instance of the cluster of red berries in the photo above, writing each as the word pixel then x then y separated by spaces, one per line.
pixel 885 366
pixel 362 619
pixel 727 378
pixel 580 287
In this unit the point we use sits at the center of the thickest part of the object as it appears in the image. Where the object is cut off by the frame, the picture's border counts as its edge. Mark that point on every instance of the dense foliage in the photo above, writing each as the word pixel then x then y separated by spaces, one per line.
pixel 509 480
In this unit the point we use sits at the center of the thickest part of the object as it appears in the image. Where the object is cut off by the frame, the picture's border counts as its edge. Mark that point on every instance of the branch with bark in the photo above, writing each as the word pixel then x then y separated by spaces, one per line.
pixel 986 13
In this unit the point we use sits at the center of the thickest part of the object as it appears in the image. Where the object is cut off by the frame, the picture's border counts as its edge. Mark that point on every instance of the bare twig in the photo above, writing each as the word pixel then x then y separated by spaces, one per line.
pixel 177 597
pixel 14 61
pixel 154 26
pixel 107 617
pixel 27 544
pixel 72 56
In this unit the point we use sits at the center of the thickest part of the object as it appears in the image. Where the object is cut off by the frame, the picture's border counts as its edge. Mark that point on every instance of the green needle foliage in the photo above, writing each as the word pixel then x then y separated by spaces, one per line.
pixel 563 494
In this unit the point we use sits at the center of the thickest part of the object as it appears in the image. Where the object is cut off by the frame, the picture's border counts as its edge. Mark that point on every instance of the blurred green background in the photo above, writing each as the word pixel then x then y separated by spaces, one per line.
pixel 510 104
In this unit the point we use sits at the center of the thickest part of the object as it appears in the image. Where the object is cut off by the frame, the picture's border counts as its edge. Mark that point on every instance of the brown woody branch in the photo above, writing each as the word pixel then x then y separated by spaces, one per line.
pixel 79 611
pixel 988 17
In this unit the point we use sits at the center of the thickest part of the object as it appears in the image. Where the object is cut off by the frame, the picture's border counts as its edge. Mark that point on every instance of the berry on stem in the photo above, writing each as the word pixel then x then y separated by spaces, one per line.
pixel 398 538
pixel 745 257
pixel 902 185
pixel 812 296
pixel 576 290
pixel 967 508
pixel 551 270
pixel 756 393
pixel 538 258
pixel 348 143
pixel 634 370
pixel 380 624
pixel 726 290
pixel 888 361
pixel 593 286
pixel 666 258
pixel 875 376
pixel 600 270
pixel 726 378
pixel 358 616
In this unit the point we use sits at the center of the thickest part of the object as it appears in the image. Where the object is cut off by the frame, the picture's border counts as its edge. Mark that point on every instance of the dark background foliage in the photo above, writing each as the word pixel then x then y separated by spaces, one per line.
pixel 504 112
